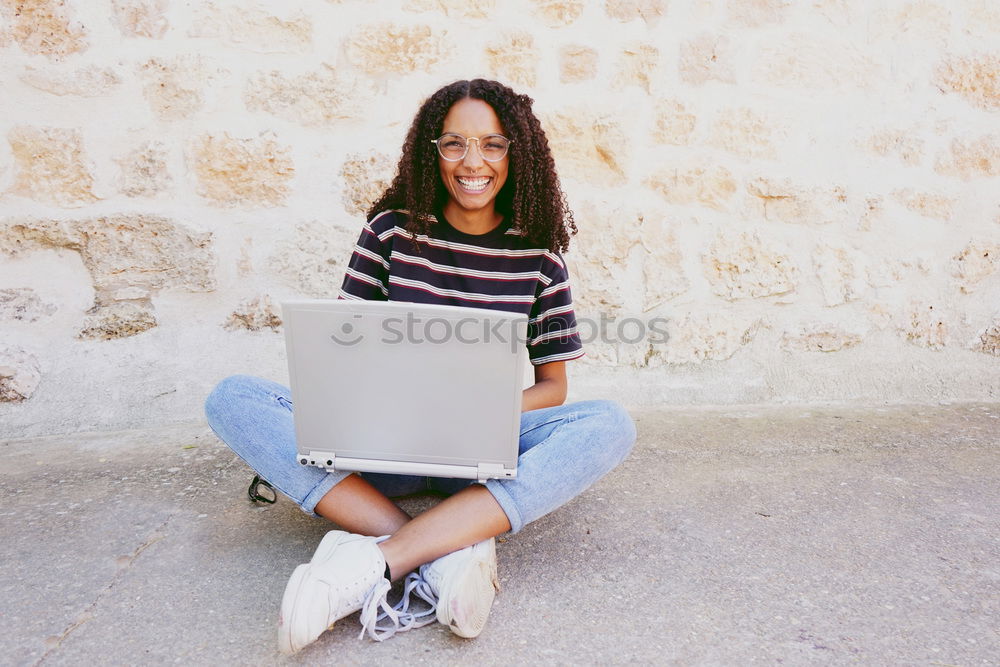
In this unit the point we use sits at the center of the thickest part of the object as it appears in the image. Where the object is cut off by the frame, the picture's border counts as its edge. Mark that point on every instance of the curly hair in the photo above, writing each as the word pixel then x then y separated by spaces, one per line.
pixel 531 199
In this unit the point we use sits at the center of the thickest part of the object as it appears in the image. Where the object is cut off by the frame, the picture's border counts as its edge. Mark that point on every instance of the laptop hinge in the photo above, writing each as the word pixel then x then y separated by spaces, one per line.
pixel 493 470
pixel 319 459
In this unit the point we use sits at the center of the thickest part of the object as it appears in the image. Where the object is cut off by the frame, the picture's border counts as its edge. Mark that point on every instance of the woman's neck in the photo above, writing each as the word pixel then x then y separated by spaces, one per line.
pixel 472 222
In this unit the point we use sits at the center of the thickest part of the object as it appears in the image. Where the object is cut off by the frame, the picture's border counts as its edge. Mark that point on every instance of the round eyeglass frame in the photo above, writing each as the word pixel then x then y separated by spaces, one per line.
pixel 467 144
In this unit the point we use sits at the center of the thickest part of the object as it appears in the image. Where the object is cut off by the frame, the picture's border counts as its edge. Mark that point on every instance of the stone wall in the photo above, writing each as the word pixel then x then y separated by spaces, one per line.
pixel 804 195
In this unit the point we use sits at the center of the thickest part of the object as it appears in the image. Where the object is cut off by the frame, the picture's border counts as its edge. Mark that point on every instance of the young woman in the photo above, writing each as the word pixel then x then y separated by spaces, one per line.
pixel 474 217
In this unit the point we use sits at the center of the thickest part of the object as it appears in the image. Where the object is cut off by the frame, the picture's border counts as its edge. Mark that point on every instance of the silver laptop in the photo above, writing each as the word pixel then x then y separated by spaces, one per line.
pixel 415 389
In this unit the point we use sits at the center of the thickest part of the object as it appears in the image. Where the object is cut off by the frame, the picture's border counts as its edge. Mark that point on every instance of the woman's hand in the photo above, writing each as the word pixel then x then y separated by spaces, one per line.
pixel 549 389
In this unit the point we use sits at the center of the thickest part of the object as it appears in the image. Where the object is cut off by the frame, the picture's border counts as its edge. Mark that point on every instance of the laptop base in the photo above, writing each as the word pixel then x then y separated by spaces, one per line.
pixel 334 463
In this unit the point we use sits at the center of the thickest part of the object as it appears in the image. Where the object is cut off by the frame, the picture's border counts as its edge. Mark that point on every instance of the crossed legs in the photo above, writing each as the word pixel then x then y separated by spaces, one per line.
pixel 563 450
pixel 470 516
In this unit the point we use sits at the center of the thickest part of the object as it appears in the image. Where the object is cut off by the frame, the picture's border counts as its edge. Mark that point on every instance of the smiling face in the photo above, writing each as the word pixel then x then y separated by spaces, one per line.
pixel 472 182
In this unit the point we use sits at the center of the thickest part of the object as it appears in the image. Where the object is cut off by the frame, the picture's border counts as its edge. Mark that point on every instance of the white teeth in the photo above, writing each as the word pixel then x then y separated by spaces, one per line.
pixel 473 183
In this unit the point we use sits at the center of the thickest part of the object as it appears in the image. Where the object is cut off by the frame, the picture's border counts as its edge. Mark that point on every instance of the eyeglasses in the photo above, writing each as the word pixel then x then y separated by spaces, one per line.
pixel 454 147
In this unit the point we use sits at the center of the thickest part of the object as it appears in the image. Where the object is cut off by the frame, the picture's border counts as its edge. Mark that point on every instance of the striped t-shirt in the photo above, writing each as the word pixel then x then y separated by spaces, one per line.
pixel 498 270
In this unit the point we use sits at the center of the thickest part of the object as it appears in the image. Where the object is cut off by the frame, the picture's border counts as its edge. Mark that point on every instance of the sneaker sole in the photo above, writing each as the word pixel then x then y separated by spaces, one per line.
pixel 465 600
pixel 288 617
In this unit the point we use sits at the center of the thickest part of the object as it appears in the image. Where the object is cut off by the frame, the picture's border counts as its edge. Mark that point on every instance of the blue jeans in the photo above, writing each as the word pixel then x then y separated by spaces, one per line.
pixel 563 450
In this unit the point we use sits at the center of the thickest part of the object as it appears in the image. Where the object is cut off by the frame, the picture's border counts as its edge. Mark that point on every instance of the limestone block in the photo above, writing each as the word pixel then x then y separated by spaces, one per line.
pixel 44 27
pixel 881 316
pixel 744 132
pixel 253 29
pixel 175 88
pixel 976 261
pixel 255 314
pixel 244 265
pixel 706 57
pixel 144 170
pixel 663 268
pixel 242 172
pixel 931 16
pixel 89 81
pixel 463 9
pixel 19 374
pixel 577 63
pixel 638 65
pixel 146 251
pixel 599 354
pixel 906 146
pixel 313 259
pixel 887 271
pixel 128 257
pixel 820 337
pixel 319 98
pixel 649 11
pixel 871 212
pixel 781 199
pixel 132 293
pixel 841 274
pixel 514 59
pixel 386 48
pixel 657 234
pixel 610 354
pixel 711 186
pixel 23 304
pixel 119 319
pixel 971 158
pixel 606 236
pixel 922 22
pixel 52 167
pixel 976 78
pixel 813 62
pixel 984 15
pixel 587 146
pixel 927 204
pixel 557 13
pixel 924 326
pixel 620 354
pixel 988 340
pixel 663 279
pixel 707 337
pixel 674 124
pixel 141 18
pixel 599 255
pixel 755 13
pixel 18 235
pixel 740 266
pixel 365 177
pixel 594 289
pixel 640 354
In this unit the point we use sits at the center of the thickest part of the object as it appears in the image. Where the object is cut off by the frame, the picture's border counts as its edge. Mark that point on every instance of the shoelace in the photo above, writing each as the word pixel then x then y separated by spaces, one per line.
pixel 371 616
pixel 417 585
pixel 376 609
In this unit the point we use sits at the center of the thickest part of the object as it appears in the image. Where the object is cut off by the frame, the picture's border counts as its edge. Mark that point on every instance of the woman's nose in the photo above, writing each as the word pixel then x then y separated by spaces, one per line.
pixel 472 156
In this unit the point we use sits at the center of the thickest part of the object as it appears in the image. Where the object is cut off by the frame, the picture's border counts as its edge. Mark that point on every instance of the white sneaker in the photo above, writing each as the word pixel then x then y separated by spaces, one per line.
pixel 345 574
pixel 464 584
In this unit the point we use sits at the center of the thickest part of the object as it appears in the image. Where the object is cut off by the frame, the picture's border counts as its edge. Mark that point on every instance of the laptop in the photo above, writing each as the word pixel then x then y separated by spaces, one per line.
pixel 406 388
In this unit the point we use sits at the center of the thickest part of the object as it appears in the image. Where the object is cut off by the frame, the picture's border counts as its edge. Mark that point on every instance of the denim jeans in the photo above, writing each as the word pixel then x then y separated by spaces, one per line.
pixel 563 450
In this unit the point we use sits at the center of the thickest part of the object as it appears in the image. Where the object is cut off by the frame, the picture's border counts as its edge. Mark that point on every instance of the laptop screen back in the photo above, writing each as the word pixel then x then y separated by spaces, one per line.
pixel 402 382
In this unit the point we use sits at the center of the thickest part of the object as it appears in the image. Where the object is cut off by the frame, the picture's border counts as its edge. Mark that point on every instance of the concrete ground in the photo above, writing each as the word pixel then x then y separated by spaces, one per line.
pixel 731 536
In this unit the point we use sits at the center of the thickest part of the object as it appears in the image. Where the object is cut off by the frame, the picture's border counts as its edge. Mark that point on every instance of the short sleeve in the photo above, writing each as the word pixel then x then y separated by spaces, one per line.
pixel 368 269
pixel 552 330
